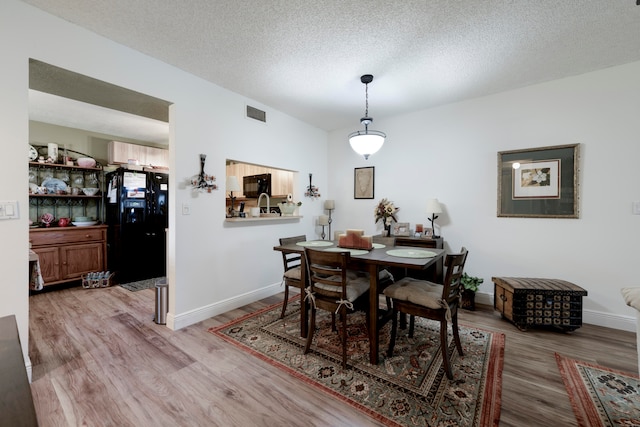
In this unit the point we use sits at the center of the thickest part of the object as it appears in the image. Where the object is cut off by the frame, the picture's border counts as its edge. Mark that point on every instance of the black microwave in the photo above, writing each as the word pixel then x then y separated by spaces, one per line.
pixel 254 185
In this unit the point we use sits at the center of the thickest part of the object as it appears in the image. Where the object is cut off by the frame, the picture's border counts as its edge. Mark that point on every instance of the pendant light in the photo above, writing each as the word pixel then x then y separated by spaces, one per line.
pixel 368 141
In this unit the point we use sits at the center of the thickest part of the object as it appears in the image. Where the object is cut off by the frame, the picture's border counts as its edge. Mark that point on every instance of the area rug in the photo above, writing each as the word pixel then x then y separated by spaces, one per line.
pixel 600 396
pixel 143 284
pixel 408 389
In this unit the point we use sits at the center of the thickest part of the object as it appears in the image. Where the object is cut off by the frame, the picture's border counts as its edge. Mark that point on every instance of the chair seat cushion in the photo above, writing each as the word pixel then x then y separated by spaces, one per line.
pixel 420 292
pixel 293 273
pixel 355 287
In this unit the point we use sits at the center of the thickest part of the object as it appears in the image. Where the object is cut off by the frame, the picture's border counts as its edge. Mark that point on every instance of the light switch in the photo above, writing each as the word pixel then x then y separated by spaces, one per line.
pixel 186 209
pixel 635 209
pixel 8 209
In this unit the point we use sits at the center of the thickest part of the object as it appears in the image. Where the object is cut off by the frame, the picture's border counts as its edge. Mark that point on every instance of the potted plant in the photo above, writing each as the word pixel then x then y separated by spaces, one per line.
pixel 471 285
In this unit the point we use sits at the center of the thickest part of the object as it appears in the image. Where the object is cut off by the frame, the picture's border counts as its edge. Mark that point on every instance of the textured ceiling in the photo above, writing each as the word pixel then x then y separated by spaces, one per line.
pixel 305 58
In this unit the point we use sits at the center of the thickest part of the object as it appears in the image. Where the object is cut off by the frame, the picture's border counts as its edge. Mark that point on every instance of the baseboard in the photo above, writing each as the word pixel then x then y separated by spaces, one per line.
pixel 625 323
pixel 211 310
pixel 608 320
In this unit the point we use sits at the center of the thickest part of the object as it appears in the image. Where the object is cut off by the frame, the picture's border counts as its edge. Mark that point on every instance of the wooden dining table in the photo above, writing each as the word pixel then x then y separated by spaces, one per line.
pixel 372 262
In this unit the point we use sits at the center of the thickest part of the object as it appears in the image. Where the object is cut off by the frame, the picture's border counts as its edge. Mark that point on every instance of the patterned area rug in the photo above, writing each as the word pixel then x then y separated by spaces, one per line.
pixel 143 284
pixel 600 396
pixel 408 389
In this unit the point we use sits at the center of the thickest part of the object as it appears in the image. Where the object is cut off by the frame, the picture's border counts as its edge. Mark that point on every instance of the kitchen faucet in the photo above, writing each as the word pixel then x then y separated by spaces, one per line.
pixel 268 203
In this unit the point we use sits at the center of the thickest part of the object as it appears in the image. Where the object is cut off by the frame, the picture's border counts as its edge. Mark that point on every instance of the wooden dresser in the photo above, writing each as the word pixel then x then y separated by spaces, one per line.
pixel 66 253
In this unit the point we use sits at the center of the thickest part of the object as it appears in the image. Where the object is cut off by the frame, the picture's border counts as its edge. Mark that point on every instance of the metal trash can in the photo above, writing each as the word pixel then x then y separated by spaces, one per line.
pixel 162 303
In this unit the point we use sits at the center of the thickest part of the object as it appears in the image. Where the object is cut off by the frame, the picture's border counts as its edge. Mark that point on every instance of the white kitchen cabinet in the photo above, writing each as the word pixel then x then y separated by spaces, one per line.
pixel 123 152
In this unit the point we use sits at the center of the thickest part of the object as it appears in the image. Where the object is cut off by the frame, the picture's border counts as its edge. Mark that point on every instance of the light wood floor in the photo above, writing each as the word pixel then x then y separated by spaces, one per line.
pixel 100 360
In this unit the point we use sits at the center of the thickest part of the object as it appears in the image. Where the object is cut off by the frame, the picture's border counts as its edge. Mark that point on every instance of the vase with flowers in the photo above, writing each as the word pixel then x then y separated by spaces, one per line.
pixel 386 211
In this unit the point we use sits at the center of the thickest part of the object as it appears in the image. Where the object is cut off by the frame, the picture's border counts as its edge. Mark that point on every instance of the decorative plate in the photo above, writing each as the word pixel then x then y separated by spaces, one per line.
pixel 54 184
pixel 411 253
pixel 315 243
pixel 84 223
pixel 33 153
pixel 354 252
pixel 378 245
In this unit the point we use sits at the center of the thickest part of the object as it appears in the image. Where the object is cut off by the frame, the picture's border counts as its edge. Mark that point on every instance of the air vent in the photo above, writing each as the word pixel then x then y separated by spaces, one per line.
pixel 254 113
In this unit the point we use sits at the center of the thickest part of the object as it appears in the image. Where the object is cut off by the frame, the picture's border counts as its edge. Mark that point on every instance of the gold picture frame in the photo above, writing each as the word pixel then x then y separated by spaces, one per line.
pixel 539 182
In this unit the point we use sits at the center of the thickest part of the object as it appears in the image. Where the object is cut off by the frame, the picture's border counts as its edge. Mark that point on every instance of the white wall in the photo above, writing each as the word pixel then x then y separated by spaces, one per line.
pixel 448 152
pixel 451 153
pixel 212 266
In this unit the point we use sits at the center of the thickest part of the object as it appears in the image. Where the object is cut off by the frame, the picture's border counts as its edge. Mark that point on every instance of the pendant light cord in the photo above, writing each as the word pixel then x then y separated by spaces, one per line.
pixel 366 97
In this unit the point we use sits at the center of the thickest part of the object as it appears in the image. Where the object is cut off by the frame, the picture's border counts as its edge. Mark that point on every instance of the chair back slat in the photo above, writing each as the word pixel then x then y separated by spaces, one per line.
pixel 327 272
pixel 291 260
pixel 454 267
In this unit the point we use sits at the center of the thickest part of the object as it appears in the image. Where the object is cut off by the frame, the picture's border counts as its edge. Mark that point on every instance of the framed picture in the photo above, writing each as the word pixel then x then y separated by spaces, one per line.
pixel 363 183
pixel 401 229
pixel 428 232
pixel 539 182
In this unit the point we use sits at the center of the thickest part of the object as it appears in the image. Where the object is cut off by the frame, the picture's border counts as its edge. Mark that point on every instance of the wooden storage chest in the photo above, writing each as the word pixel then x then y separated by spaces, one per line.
pixel 533 302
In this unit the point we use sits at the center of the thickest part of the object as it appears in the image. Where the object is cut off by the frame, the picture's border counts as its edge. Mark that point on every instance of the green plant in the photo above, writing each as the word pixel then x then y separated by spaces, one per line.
pixel 471 283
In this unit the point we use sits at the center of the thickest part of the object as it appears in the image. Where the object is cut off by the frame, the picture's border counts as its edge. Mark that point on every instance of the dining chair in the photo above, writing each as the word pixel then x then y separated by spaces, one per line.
pixel 386 276
pixel 292 272
pixel 432 301
pixel 330 288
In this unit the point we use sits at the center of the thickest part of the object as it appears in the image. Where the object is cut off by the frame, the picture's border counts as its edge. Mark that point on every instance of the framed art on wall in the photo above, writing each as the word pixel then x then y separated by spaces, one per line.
pixel 363 183
pixel 539 182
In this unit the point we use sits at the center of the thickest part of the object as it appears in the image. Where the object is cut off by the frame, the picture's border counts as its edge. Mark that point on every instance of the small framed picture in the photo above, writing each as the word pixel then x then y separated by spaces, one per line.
pixel 401 229
pixel 428 232
pixel 364 183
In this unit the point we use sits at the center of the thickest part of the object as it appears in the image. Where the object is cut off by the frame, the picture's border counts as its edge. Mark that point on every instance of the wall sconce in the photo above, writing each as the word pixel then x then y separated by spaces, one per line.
pixel 204 182
pixel 312 190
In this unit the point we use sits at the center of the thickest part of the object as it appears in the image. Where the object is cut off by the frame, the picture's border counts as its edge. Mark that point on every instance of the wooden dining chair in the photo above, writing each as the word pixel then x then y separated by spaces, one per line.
pixel 432 301
pixel 292 271
pixel 332 289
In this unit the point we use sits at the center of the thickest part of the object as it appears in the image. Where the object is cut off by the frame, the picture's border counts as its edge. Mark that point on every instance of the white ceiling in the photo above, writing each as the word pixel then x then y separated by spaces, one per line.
pixel 47 108
pixel 305 58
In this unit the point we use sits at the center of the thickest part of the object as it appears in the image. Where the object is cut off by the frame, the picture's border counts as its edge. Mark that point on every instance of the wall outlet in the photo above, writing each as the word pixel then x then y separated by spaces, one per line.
pixel 9 209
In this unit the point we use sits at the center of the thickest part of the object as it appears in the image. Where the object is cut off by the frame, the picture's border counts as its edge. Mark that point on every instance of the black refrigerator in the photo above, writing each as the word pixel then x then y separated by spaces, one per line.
pixel 136 213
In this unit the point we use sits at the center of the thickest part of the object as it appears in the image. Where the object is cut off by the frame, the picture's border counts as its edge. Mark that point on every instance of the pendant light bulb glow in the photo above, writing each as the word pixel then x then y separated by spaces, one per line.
pixel 366 142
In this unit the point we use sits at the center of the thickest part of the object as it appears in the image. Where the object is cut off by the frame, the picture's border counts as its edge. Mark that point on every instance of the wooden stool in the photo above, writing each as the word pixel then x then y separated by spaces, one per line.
pixel 531 302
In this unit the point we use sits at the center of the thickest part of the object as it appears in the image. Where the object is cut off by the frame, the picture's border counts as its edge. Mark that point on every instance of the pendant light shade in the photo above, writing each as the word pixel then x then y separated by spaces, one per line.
pixel 366 142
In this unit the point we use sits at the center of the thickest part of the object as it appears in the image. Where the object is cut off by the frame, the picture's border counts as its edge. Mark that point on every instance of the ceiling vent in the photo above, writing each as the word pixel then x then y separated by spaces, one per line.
pixel 254 113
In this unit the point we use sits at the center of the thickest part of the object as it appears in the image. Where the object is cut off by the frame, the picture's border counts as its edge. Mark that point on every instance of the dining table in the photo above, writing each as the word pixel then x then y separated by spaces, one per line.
pixel 371 261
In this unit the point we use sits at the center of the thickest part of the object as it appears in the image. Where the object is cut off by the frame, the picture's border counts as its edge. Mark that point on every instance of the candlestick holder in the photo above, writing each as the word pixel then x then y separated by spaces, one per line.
pixel 323 220
pixel 329 205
